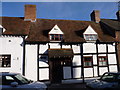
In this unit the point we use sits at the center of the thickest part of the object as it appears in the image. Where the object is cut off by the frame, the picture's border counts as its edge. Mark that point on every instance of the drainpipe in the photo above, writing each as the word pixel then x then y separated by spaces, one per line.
pixel 23 69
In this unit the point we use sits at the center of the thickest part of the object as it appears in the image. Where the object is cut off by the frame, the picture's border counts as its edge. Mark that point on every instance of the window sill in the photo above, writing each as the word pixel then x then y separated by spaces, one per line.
pixel 55 41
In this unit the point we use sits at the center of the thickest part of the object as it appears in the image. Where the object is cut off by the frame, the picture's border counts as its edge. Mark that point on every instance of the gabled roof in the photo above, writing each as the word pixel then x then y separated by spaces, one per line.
pixel 73 29
pixel 15 26
pixel 56 30
pixel 89 30
pixel 112 23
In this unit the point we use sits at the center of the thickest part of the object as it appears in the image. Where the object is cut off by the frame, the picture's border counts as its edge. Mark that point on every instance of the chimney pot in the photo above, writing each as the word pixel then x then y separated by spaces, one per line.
pixel 30 13
pixel 95 16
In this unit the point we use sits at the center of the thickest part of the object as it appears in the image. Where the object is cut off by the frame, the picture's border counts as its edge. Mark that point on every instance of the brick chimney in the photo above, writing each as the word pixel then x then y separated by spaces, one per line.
pixel 95 16
pixel 118 15
pixel 117 33
pixel 30 13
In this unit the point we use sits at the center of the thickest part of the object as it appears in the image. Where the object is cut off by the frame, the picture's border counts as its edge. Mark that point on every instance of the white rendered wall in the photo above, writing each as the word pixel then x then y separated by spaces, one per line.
pixel 12 46
pixel 89 48
pixel 103 70
pixel 88 72
pixel 76 60
pixel 113 68
pixel 111 48
pixel 101 47
pixel 31 62
pixel 112 59
pixel 77 72
pixel 43 48
pixel 76 48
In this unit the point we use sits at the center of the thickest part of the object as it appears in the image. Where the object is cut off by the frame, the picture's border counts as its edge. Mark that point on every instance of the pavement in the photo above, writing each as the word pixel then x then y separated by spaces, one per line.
pixel 76 84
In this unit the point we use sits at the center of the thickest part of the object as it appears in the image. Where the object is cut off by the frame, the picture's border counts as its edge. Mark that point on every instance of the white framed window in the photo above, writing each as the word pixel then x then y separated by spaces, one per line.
pixel 1 31
pixel 102 60
pixel 88 61
pixel 5 60
pixel 90 37
pixel 56 37
pixel 56 34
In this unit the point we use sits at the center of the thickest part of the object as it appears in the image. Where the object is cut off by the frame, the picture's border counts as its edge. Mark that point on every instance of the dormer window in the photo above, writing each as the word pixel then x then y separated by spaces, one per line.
pixel 90 35
pixel 1 31
pixel 56 34
pixel 56 37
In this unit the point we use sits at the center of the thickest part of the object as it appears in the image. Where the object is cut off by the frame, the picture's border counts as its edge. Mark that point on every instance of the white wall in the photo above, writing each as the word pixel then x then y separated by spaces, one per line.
pixel 89 48
pixel 31 62
pixel 12 46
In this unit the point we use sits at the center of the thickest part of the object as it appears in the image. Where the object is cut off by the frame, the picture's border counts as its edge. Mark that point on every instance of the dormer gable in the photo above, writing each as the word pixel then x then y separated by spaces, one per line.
pixel 56 34
pixel 56 30
pixel 2 30
pixel 90 35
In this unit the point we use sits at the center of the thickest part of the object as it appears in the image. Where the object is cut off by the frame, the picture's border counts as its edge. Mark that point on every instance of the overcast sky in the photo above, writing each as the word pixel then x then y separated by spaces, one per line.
pixel 62 10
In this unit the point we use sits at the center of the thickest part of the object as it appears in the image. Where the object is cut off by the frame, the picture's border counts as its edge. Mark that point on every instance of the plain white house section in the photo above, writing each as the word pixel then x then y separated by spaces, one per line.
pixel 76 60
pixel 66 46
pixel 94 59
pixel 113 68
pixel 12 46
pixel 31 62
pixel 103 70
pixel 56 30
pixel 88 72
pixel 44 74
pixel 89 48
pixel 77 72
pixel 111 48
pixel 102 48
pixel 43 48
pixel 112 59
pixel 76 48
pixel 54 45
pixel 95 70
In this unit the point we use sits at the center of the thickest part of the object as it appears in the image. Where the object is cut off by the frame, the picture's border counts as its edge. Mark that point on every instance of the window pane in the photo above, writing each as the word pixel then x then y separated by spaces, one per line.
pixel 5 60
pixel 91 37
pixel 56 37
pixel 61 37
pixel 102 61
pixel 87 61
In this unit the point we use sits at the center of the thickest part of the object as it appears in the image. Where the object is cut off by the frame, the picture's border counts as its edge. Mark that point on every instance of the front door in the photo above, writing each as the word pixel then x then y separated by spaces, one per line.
pixel 56 71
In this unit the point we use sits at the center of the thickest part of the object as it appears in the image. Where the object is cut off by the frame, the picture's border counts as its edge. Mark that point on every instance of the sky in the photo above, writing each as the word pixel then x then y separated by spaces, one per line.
pixel 62 10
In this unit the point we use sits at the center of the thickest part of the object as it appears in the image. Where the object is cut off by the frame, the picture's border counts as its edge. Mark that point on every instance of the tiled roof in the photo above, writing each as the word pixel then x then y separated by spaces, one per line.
pixel 73 29
pixel 60 53
pixel 15 26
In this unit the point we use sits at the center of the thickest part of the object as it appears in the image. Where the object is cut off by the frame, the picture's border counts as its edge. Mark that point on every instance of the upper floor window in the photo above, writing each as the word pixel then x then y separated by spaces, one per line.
pixel 88 61
pixel 90 37
pixel 56 34
pixel 5 60
pixel 102 60
pixel 1 31
pixel 56 37
pixel 90 34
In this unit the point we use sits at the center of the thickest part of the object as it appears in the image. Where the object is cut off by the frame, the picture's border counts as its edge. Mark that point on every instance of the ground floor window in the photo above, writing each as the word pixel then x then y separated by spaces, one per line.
pixel 102 60
pixel 88 61
pixel 5 60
